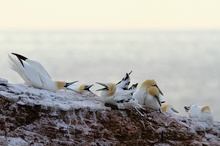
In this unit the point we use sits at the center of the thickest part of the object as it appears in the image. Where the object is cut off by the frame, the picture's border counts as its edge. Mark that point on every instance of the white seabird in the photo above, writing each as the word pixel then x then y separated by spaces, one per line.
pixel 201 112
pixel 121 99
pixel 141 94
pixel 34 74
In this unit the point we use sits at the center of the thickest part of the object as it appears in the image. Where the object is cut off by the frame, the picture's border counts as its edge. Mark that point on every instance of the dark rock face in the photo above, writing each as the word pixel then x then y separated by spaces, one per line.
pixel 38 125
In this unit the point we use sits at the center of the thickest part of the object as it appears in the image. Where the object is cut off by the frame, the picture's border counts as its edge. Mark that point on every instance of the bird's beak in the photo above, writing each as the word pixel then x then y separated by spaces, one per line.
pixel 70 83
pixel 105 86
pixel 187 108
pixel 133 86
pixel 158 99
pixel 159 90
pixel 87 87
pixel 174 110
pixel 162 102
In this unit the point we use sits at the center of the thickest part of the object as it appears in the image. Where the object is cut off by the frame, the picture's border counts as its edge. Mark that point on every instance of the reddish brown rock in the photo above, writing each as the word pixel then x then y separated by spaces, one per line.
pixel 32 124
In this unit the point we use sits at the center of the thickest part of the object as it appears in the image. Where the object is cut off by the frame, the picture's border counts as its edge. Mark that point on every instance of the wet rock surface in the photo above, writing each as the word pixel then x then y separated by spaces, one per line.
pixel 24 120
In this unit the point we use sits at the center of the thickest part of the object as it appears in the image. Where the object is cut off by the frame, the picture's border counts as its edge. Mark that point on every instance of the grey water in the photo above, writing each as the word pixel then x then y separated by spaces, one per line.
pixel 185 64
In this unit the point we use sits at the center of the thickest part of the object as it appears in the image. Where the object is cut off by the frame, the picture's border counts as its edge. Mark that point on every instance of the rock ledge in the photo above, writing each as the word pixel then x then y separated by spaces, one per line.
pixel 30 116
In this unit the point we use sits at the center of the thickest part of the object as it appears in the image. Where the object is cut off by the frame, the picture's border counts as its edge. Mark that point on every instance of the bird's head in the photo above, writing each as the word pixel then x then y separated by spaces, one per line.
pixel 84 87
pixel 64 85
pixel 146 84
pixel 109 88
pixel 205 108
pixel 152 90
pixel 165 107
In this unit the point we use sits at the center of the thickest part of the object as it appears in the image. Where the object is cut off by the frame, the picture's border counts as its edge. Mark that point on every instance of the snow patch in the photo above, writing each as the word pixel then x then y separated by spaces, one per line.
pixel 12 141
pixel 63 100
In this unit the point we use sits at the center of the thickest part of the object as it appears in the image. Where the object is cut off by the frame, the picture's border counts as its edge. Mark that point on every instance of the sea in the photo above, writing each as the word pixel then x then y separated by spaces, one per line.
pixel 185 64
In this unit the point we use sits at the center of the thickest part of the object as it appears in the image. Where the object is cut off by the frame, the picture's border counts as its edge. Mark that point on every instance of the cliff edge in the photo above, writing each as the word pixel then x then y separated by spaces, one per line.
pixel 30 116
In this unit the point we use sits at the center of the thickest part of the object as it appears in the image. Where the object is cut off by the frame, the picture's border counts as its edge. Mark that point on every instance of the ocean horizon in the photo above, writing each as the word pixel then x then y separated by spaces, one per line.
pixel 185 64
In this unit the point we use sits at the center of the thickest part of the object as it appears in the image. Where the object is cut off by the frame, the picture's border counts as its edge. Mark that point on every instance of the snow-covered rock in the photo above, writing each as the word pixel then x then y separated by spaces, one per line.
pixel 30 116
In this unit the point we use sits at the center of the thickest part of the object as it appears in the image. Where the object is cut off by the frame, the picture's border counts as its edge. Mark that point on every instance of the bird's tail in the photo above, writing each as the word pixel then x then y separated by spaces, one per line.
pixel 17 67
pixel 141 111
pixel 139 108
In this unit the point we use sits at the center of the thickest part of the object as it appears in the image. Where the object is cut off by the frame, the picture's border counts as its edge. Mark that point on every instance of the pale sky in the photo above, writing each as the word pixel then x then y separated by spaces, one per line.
pixel 109 14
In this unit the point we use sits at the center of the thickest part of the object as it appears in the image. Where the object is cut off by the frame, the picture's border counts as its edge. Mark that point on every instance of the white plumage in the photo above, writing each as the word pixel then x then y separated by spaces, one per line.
pixel 142 93
pixel 201 112
pixel 167 108
pixel 124 83
pixel 152 99
pixel 120 98
pixel 34 74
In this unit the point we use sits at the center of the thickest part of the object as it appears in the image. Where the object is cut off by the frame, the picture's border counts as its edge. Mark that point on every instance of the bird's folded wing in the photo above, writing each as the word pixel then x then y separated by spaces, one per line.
pixel 39 68
pixel 32 75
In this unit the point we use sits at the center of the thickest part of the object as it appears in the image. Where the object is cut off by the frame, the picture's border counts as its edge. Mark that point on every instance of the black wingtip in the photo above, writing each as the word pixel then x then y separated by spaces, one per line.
pixel 20 56
pixel 133 86
pixel 126 76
